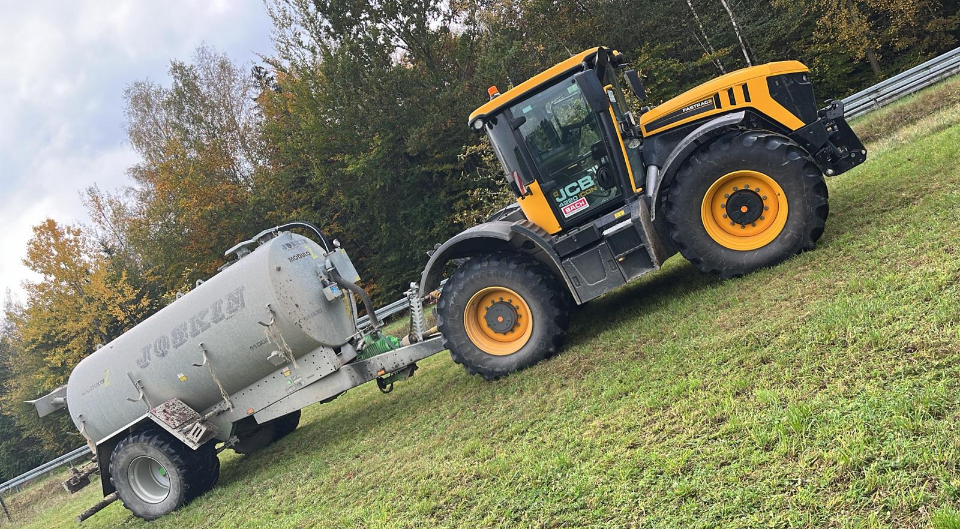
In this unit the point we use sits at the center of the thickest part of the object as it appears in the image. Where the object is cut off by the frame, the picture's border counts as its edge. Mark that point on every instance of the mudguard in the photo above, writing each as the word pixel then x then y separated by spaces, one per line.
pixel 520 236
pixel 685 147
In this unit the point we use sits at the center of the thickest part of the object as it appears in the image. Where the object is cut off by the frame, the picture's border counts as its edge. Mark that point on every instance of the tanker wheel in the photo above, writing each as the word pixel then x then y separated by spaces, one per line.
pixel 501 313
pixel 286 424
pixel 252 436
pixel 207 469
pixel 153 474
pixel 746 201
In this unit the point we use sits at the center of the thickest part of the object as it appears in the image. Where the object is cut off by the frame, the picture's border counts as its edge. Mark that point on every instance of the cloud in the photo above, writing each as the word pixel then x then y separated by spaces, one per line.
pixel 65 66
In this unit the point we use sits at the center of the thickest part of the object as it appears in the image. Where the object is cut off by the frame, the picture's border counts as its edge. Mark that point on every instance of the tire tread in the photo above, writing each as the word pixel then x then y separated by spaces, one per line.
pixel 555 309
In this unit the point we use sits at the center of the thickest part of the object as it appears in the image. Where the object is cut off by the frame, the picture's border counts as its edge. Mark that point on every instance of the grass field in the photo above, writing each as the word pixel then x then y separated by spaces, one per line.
pixel 824 392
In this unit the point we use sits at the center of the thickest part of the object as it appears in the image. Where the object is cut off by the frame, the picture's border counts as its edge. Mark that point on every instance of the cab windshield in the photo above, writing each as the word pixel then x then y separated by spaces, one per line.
pixel 564 141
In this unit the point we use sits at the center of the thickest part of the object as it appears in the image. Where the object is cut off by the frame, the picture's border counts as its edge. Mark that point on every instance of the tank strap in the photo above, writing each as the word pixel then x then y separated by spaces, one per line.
pixel 274 335
pixel 206 362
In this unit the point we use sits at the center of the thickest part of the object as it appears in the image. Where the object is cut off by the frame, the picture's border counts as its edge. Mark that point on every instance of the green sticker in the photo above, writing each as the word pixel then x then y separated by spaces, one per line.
pixel 527 108
pixel 572 89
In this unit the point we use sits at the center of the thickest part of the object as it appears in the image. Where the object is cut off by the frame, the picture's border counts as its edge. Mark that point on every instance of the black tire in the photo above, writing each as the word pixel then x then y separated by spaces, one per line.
pixel 153 474
pixel 774 157
pixel 207 470
pixel 286 425
pixel 541 293
pixel 252 436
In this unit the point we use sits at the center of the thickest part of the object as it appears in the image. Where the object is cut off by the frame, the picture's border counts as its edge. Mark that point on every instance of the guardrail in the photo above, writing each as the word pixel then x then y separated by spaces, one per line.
pixel 399 305
pixel 906 83
pixel 65 459
pixel 386 311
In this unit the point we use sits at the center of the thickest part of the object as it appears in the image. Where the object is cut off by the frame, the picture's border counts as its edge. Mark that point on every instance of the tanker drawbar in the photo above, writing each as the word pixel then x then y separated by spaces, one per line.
pixel 229 364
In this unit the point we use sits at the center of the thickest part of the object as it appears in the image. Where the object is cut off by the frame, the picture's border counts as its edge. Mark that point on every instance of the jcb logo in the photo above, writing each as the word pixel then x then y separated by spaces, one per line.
pixel 574 189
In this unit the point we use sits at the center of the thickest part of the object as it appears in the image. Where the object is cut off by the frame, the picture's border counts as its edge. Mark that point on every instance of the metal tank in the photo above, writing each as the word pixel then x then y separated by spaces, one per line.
pixel 223 336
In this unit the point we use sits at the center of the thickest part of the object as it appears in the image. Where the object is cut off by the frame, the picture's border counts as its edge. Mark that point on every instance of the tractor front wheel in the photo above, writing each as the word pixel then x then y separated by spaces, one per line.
pixel 501 313
pixel 746 201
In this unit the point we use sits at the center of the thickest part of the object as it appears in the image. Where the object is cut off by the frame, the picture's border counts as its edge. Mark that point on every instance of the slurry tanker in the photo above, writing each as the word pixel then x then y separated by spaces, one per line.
pixel 231 362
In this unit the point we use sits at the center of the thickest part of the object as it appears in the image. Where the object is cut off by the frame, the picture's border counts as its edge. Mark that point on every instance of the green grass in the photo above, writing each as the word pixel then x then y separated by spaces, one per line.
pixel 824 392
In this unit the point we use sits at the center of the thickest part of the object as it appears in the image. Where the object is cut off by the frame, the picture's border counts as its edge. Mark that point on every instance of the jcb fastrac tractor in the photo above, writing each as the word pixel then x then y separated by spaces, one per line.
pixel 730 174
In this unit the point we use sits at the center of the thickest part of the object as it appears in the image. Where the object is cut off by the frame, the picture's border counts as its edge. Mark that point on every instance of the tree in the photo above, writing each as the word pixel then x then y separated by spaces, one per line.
pixel 869 29
pixel 365 109
pixel 81 302
pixel 18 451
pixel 705 43
pixel 736 29
pixel 202 157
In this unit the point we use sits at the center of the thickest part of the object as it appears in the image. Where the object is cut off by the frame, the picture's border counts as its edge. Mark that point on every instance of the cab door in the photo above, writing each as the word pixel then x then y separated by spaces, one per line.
pixel 565 143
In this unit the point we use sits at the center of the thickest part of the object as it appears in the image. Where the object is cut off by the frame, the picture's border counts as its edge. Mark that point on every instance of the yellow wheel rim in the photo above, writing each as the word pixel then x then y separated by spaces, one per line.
pixel 498 321
pixel 744 210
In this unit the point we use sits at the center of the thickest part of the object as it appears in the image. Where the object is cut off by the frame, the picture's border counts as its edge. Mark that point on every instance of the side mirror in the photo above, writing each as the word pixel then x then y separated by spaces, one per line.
pixel 633 79
pixel 592 91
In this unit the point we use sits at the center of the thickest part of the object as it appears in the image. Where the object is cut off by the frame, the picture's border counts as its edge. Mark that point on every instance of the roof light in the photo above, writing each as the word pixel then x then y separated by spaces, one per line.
pixel 493 91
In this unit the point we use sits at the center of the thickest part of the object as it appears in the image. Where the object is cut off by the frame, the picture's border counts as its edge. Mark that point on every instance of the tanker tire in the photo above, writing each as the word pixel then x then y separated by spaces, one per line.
pixel 252 436
pixel 207 466
pixel 286 424
pixel 772 154
pixel 528 278
pixel 149 494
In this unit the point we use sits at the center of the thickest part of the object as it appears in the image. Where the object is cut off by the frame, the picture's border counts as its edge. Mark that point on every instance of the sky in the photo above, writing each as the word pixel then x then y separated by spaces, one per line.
pixel 63 69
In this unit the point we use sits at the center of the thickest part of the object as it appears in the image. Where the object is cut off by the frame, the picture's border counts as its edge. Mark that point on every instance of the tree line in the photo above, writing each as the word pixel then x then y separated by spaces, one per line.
pixel 356 121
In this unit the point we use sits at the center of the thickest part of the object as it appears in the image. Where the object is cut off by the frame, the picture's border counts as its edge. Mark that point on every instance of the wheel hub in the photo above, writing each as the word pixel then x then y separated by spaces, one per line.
pixel 744 206
pixel 498 320
pixel 744 210
pixel 501 316
pixel 148 479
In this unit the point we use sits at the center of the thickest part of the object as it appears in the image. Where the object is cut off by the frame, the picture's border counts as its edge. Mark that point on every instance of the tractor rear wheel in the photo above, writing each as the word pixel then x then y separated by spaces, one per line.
pixel 501 313
pixel 746 201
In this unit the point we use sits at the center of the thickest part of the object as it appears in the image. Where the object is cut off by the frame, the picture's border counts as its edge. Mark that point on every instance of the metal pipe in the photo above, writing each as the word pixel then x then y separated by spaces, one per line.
pixel 364 297
pixel 97 507
pixel 308 225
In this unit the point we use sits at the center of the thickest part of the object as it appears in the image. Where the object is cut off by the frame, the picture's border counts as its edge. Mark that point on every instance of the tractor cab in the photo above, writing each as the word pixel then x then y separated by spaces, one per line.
pixel 560 138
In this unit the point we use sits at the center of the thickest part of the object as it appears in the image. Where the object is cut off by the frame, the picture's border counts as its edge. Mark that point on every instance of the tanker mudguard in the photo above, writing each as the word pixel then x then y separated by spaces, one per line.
pixel 521 236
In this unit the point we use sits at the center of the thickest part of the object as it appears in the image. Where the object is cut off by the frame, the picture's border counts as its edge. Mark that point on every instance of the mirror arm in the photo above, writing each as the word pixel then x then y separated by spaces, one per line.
pixel 635 84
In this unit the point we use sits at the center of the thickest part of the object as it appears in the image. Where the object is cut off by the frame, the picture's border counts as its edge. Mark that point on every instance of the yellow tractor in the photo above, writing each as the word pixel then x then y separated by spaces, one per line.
pixel 730 174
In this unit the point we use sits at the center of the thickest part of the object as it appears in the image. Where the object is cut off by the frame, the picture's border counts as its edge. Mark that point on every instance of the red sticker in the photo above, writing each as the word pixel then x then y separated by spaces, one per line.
pixel 574 207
